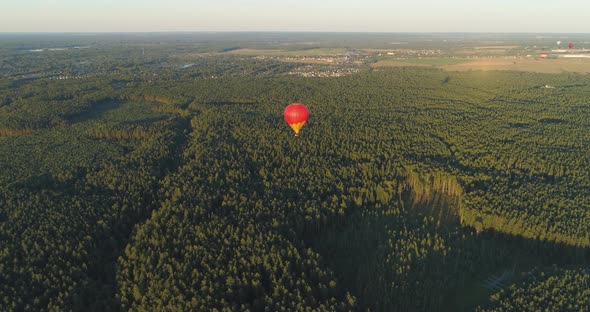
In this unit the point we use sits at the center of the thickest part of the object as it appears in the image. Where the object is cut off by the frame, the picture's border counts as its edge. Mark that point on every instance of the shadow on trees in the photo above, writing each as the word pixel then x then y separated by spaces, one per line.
pixel 388 271
pixel 95 111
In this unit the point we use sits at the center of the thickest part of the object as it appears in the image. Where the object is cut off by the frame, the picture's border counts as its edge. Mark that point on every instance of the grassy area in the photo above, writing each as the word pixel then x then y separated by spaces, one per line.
pixel 434 62
pixel 499 63
pixel 310 52
pixel 527 65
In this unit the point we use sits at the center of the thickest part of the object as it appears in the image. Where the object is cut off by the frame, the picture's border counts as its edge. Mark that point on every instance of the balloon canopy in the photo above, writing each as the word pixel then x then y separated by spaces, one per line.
pixel 296 115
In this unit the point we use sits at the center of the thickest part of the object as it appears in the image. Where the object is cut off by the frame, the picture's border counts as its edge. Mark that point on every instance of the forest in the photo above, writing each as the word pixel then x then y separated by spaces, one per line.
pixel 148 187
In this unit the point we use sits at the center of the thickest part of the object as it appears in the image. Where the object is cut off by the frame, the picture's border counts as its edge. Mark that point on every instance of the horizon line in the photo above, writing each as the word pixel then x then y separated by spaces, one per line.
pixel 285 31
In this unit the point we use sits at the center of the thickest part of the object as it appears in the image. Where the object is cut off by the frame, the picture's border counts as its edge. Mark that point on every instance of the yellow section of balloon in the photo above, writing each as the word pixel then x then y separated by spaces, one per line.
pixel 297 126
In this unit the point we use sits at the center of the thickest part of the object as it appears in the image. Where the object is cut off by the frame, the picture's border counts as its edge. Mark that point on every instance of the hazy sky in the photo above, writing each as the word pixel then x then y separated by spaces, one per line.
pixel 295 15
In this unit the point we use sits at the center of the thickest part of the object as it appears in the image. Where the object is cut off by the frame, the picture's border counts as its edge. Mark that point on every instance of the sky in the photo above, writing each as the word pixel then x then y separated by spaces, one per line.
pixel 530 16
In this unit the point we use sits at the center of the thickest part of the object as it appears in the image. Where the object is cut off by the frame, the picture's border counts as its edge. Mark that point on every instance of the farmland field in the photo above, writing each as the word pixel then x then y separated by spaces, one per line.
pixel 527 65
pixel 488 64
pixel 434 62
pixel 307 52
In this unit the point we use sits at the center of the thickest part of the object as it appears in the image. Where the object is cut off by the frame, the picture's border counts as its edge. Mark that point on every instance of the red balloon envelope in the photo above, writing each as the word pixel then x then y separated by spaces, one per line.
pixel 296 115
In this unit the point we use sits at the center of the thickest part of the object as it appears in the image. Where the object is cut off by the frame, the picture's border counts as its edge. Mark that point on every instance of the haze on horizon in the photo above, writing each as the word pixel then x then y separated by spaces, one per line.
pixel 539 16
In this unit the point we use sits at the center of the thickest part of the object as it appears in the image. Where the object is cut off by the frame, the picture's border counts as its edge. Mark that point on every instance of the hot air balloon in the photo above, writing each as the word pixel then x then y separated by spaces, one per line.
pixel 296 116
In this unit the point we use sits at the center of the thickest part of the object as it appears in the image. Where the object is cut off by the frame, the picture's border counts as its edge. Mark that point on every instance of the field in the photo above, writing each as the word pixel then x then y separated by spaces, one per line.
pixel 526 65
pixel 307 52
pixel 487 50
pixel 487 64
pixel 433 62
pixel 309 60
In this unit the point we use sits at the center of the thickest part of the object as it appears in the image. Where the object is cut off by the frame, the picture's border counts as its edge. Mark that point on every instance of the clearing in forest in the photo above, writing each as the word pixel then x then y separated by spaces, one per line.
pixel 517 64
pixel 420 62
pixel 527 65
pixel 274 52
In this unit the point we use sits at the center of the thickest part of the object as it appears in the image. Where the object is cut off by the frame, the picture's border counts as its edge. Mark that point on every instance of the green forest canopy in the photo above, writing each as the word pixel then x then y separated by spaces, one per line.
pixel 406 190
